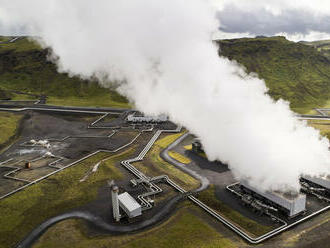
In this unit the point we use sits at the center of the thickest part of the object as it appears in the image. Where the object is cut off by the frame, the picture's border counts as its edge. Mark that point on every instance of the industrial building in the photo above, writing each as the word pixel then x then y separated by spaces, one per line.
pixel 130 206
pixel 125 202
pixel 289 204
pixel 323 182
pixel 131 118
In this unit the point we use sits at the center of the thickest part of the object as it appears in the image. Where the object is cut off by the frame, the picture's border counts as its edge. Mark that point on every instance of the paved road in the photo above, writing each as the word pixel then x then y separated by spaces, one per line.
pixel 164 155
pixel 52 108
pixel 100 223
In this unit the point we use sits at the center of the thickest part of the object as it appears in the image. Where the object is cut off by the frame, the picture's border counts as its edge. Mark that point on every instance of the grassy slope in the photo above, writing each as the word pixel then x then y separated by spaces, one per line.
pixel 9 124
pixel 292 71
pixel 24 67
pixel 323 46
pixel 179 157
pixel 181 230
pixel 24 210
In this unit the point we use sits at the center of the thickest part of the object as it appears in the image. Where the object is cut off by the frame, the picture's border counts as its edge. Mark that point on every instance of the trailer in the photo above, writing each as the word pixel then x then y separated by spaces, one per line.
pixel 291 205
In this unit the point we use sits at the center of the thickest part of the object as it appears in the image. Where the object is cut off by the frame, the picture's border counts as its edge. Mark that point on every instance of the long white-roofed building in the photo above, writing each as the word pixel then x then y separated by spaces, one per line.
pixel 130 206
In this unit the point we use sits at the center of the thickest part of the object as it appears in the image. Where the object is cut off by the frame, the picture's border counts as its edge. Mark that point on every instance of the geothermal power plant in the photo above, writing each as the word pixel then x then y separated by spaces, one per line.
pixel 290 204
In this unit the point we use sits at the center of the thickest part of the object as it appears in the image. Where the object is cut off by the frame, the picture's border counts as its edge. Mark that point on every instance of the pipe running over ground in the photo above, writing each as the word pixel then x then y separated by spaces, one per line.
pixel 35 234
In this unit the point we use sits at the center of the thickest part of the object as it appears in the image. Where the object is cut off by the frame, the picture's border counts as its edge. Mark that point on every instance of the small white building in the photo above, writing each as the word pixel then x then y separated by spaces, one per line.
pixel 131 207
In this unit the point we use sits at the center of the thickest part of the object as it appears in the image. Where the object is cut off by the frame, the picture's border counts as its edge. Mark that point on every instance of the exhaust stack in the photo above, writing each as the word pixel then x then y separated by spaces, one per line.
pixel 115 202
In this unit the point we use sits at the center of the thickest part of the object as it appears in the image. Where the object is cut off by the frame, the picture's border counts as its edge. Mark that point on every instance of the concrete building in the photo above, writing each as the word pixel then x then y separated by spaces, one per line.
pixel 291 204
pixel 130 206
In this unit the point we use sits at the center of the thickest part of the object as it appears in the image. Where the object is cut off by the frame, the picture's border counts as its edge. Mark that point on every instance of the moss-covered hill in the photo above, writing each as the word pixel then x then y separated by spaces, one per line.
pixel 293 71
pixel 24 67
pixel 323 46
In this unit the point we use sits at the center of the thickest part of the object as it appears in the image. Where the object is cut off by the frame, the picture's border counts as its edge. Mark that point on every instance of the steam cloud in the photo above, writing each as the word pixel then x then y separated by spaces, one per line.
pixel 163 53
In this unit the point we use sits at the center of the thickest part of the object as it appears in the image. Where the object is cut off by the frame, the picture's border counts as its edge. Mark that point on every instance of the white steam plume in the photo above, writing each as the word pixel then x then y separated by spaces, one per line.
pixel 163 52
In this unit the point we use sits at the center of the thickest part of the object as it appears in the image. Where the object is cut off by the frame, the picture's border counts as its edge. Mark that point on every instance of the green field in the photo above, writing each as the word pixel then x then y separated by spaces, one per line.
pixel 208 197
pixel 183 230
pixel 292 71
pixel 323 46
pixel 24 67
pixel 9 125
pixel 63 191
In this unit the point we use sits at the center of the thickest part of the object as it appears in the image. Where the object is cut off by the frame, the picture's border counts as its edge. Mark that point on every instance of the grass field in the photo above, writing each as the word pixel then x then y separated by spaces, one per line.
pixel 323 46
pixel 24 210
pixel 209 198
pixel 182 230
pixel 179 157
pixel 9 124
pixel 101 101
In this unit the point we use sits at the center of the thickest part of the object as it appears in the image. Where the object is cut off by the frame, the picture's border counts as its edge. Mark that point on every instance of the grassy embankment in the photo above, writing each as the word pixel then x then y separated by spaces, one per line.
pixel 179 157
pixel 24 67
pixel 9 126
pixel 208 197
pixel 292 71
pixel 26 209
pixel 183 229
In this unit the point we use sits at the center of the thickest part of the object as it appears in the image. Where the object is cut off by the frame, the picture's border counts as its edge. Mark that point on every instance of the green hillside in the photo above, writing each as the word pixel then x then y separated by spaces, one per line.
pixel 292 71
pixel 297 72
pixel 24 67
pixel 323 46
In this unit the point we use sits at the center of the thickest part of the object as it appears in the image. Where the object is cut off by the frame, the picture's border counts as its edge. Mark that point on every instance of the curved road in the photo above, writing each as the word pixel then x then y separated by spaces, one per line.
pixel 164 155
pixel 100 223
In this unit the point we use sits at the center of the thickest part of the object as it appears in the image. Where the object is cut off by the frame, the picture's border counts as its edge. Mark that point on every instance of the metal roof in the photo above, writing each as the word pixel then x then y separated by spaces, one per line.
pixel 128 201
pixel 294 203
pixel 321 181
